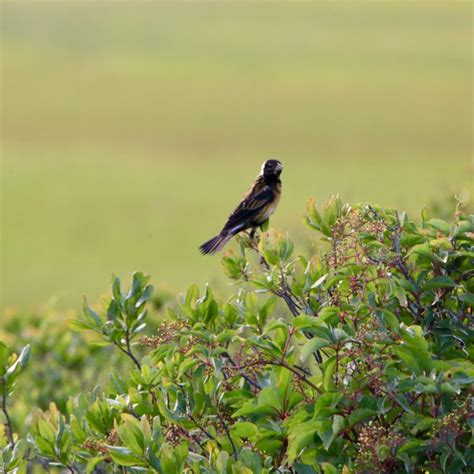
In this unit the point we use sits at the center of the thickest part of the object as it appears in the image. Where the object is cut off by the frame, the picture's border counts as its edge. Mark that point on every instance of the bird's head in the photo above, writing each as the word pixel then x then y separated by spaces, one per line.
pixel 271 168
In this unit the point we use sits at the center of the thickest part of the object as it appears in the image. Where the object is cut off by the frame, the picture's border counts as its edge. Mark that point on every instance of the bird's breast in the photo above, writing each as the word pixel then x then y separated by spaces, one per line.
pixel 271 208
pixel 268 212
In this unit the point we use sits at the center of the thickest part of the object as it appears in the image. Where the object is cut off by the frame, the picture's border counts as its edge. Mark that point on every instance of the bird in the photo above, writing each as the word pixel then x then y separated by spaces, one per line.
pixel 255 208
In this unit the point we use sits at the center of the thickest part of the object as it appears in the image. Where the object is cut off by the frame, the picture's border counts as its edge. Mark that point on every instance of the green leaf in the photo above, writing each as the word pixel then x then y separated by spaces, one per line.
pixel 425 214
pixel 244 429
pixel 78 432
pixel 191 295
pixel 222 462
pixel 329 369
pixel 265 225
pixel 338 423
pixel 92 463
pixel 315 220
pixel 467 298
pixel 124 457
pixel 116 290
pixel 329 315
pixel 94 320
pixel 13 371
pixel 360 414
pixel 18 455
pixel 440 225
pixel 187 365
pixel 411 445
pixel 78 325
pixel 139 281
pixel 305 321
pixel 319 282
pixel 329 468
pixel 439 282
pixel 391 321
pixel 418 346
pixel 46 431
pixel 400 294
pixel 326 433
pixel 131 434
pixel 408 358
pixel 4 356
pixel 312 346
pixel 424 251
pixel 299 437
pixel 270 397
pixel 401 400
pixel 269 445
pixel 463 227
pixel 273 325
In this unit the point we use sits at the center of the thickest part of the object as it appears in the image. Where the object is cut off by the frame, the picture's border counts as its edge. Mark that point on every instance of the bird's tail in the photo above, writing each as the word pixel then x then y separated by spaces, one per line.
pixel 216 243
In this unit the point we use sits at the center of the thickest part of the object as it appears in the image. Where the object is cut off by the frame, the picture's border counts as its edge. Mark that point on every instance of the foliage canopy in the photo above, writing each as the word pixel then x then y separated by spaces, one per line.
pixel 356 357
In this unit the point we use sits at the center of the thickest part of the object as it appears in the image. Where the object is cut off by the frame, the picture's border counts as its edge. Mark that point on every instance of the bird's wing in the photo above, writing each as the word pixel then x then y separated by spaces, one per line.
pixel 254 201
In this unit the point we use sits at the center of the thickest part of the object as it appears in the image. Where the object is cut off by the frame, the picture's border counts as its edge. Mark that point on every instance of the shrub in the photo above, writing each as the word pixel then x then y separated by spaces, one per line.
pixel 355 358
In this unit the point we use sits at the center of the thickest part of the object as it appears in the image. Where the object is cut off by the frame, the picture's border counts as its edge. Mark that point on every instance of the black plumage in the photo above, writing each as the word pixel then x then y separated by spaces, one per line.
pixel 257 205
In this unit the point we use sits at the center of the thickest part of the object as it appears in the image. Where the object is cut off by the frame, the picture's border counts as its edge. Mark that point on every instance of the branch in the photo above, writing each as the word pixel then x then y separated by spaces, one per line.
pixel 245 376
pixel 301 376
pixel 129 354
pixel 191 417
pixel 224 424
pixel 286 294
pixel 8 424
pixel 128 349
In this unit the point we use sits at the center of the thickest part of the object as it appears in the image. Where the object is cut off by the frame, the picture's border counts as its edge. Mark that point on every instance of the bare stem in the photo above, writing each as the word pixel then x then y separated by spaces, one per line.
pixel 300 375
pixel 284 292
pixel 229 437
pixel 203 430
pixel 130 354
pixel 8 424
pixel 245 376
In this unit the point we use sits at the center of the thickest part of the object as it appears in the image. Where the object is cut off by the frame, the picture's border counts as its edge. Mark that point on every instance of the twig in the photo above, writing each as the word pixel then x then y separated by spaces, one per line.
pixel 203 430
pixel 245 376
pixel 301 376
pixel 285 293
pixel 303 369
pixel 129 350
pixel 191 417
pixel 129 354
pixel 8 424
pixel 224 424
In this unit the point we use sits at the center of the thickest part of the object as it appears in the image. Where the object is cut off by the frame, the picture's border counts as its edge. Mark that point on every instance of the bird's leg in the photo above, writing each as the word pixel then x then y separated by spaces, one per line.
pixel 252 233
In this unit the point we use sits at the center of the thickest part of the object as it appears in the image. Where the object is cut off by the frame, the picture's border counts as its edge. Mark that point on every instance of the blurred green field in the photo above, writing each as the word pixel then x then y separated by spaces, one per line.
pixel 129 130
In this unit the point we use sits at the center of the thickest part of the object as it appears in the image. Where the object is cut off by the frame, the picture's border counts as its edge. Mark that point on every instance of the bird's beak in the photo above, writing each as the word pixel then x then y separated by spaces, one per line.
pixel 279 168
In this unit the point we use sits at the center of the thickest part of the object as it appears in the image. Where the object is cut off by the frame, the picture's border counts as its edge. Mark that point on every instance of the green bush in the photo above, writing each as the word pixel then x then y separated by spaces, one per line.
pixel 354 358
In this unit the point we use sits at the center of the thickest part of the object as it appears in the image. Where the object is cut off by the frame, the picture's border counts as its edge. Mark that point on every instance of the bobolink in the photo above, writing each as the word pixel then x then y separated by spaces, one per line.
pixel 257 205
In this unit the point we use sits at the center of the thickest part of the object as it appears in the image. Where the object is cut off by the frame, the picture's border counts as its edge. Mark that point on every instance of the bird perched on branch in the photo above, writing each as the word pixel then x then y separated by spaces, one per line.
pixel 257 205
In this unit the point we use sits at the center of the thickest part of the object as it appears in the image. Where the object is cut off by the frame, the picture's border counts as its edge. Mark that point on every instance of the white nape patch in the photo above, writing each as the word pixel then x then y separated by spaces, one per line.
pixel 262 169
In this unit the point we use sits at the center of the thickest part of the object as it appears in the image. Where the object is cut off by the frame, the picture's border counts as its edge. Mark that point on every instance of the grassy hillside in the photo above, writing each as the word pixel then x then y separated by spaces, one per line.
pixel 130 130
